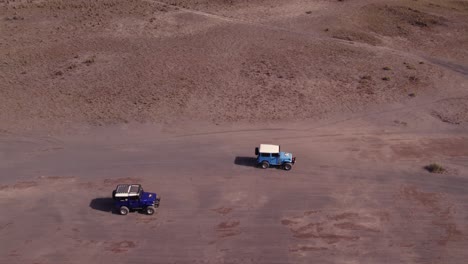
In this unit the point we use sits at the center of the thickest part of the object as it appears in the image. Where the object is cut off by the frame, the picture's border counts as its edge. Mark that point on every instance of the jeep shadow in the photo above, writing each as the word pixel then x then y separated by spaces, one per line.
pixel 104 204
pixel 246 161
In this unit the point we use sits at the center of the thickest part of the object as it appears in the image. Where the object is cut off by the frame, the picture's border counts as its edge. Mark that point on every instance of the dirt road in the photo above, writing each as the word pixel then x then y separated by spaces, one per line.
pixel 358 194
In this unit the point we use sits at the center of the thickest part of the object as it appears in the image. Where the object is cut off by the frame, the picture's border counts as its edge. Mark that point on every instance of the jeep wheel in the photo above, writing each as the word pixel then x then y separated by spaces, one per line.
pixel 265 165
pixel 150 210
pixel 124 210
pixel 287 166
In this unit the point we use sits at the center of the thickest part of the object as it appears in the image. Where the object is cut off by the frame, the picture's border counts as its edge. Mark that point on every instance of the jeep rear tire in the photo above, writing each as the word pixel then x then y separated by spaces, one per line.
pixel 124 210
pixel 287 166
pixel 265 165
pixel 150 210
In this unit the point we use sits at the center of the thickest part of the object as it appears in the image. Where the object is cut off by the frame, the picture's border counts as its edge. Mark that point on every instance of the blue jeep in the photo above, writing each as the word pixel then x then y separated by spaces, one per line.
pixel 268 155
pixel 132 197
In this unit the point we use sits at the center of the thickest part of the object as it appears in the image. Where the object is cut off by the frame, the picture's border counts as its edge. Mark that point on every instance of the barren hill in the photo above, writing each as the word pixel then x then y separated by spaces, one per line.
pixel 101 62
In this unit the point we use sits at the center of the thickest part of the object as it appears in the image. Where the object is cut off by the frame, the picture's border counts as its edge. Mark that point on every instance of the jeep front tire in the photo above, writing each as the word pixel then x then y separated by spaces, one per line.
pixel 265 165
pixel 287 166
pixel 150 210
pixel 124 210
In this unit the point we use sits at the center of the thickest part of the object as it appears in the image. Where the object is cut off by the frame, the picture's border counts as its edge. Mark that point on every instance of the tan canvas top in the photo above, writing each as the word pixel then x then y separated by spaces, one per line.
pixel 267 148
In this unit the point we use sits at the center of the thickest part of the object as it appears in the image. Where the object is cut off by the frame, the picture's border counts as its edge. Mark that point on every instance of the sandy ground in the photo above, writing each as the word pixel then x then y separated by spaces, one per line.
pixel 358 194
pixel 176 94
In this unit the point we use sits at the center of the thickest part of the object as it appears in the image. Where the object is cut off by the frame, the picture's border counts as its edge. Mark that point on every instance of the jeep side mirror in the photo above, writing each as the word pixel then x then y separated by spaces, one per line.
pixel 256 151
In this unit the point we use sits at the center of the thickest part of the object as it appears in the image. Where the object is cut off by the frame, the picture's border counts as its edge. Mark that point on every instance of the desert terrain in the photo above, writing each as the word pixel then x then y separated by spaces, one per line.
pixel 176 94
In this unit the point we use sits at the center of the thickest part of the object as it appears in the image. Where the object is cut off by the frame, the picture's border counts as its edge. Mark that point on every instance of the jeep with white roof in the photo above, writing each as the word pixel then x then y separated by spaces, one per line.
pixel 132 197
pixel 270 155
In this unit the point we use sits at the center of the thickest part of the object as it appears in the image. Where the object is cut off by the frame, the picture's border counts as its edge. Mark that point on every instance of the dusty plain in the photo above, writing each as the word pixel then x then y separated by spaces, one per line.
pixel 176 94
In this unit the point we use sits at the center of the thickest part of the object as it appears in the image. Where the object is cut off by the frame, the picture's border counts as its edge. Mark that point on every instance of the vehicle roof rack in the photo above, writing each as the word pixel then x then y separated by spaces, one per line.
pixel 127 190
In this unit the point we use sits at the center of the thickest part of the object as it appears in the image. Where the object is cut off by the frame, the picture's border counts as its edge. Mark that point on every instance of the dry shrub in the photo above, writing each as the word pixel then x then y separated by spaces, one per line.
pixel 398 20
pixel 435 168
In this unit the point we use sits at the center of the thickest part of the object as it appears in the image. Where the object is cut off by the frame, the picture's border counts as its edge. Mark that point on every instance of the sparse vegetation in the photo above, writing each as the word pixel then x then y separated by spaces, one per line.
pixel 71 67
pixel 434 168
pixel 386 78
pixel 400 20
pixel 14 18
pixel 90 60
pixel 401 123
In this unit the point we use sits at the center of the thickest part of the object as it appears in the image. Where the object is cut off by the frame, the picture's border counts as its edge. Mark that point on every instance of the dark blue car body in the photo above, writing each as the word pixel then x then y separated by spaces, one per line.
pixel 133 197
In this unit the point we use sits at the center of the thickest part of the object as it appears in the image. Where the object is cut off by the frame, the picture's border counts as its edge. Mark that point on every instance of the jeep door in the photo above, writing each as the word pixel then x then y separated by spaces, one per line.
pixel 275 159
pixel 264 157
pixel 134 202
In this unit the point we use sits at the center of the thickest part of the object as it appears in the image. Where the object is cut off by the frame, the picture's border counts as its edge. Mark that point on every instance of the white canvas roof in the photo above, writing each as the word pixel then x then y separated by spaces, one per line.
pixel 267 148
pixel 126 190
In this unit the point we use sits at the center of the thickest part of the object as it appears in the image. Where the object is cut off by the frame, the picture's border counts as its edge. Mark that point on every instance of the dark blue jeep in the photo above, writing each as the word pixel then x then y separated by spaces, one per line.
pixel 132 197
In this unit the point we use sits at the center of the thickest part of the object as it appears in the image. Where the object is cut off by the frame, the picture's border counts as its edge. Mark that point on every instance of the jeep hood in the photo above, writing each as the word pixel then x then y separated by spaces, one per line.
pixel 286 156
pixel 148 197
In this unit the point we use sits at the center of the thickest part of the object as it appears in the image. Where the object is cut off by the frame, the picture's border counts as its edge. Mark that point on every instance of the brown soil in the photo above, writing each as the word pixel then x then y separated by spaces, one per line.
pixel 358 36
pixel 399 20
pixel 69 64
pixel 305 248
pixel 353 226
pixel 287 222
pixel 452 111
pixel 57 178
pixel 174 93
pixel 25 185
pixel 442 213
pixel 127 180
pixel 227 225
pixel 123 246
pixel 223 210
pixel 342 216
